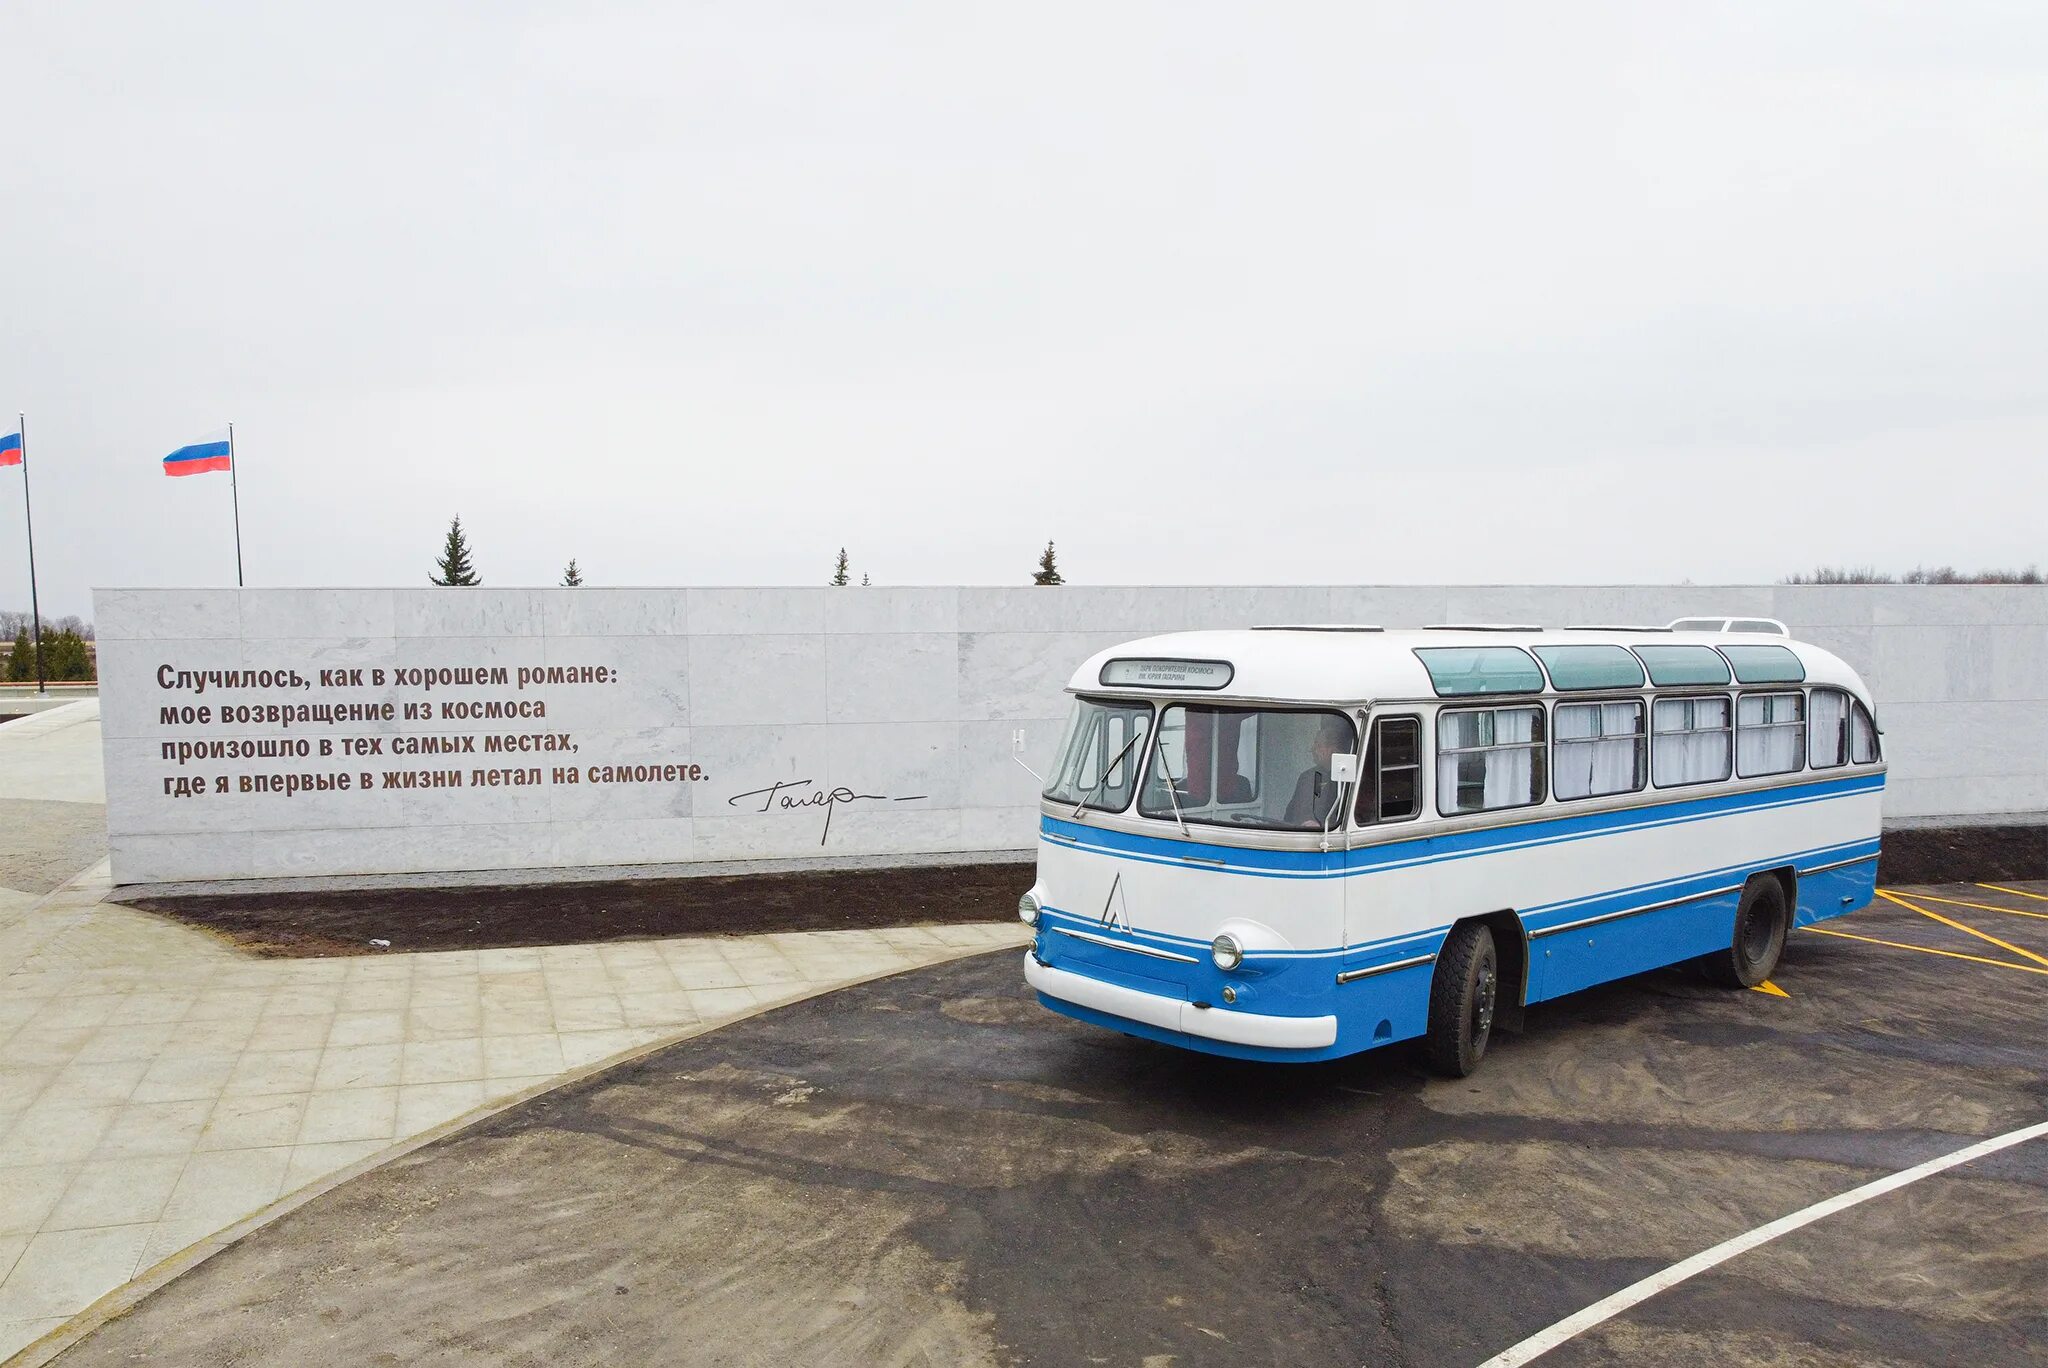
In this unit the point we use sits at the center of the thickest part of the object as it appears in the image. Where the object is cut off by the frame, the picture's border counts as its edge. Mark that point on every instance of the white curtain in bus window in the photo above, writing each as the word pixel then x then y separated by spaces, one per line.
pixel 1770 734
pixel 1489 759
pixel 1827 729
pixel 1692 741
pixel 1598 749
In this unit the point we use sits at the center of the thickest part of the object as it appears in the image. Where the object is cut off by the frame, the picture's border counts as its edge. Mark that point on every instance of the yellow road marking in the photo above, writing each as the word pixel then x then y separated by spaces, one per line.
pixel 2016 892
pixel 1982 907
pixel 1769 987
pixel 1947 954
pixel 1969 930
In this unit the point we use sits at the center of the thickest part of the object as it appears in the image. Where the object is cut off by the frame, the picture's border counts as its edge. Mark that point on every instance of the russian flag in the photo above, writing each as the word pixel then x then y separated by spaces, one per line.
pixel 208 453
pixel 10 449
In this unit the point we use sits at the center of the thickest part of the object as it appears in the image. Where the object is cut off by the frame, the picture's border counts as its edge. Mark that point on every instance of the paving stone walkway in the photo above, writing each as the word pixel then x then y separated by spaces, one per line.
pixel 158 1086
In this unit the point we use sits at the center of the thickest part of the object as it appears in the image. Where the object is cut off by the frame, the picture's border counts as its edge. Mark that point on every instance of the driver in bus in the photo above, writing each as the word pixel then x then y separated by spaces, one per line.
pixel 1315 793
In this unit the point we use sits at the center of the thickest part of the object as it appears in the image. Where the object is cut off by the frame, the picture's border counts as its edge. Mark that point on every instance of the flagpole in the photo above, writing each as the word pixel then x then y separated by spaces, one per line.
pixel 35 611
pixel 234 493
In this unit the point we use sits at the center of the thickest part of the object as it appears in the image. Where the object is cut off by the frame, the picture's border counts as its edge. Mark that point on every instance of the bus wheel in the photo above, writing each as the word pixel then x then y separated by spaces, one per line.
pixel 1461 1001
pixel 1760 927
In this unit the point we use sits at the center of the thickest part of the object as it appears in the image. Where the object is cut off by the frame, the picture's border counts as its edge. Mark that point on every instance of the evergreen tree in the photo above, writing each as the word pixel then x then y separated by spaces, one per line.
pixel 840 577
pixel 65 657
pixel 572 578
pixel 454 562
pixel 21 662
pixel 864 579
pixel 1048 569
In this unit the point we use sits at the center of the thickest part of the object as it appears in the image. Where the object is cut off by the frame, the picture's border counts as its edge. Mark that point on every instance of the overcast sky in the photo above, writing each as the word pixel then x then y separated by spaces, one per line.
pixel 1349 293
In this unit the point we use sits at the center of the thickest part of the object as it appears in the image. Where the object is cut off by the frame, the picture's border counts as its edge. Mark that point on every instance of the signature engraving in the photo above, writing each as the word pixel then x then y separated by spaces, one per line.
pixel 783 796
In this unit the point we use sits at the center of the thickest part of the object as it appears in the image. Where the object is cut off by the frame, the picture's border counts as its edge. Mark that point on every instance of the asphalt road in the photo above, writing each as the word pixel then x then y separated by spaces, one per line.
pixel 931 1169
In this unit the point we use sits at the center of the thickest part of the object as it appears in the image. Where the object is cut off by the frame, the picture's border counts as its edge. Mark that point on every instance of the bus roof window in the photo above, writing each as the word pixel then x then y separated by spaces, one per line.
pixel 1764 664
pixel 1591 667
pixel 1679 665
pixel 1467 671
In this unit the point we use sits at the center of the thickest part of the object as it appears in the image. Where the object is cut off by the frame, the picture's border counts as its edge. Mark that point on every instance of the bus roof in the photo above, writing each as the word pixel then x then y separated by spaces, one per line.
pixel 1321 664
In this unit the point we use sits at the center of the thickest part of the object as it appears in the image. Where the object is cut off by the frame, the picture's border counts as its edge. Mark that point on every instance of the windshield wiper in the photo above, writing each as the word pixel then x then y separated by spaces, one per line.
pixel 1107 770
pixel 1172 788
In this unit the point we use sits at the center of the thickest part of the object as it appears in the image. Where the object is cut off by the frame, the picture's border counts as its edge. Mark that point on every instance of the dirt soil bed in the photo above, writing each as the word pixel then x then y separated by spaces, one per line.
pixel 296 925
pixel 1925 855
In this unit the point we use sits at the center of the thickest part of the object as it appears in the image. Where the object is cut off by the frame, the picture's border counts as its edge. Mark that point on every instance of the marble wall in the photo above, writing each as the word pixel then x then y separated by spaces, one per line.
pixel 914 705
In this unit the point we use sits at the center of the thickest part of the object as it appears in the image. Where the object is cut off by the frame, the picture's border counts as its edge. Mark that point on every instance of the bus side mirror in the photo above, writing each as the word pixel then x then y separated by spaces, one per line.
pixel 1344 769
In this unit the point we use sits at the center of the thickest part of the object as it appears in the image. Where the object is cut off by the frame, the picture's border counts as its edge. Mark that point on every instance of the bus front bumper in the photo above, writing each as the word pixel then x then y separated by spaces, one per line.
pixel 1172 1014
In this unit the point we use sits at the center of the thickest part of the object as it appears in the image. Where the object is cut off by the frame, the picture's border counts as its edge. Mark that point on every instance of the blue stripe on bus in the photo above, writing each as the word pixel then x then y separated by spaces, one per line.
pixel 1599 904
pixel 1556 914
pixel 1336 864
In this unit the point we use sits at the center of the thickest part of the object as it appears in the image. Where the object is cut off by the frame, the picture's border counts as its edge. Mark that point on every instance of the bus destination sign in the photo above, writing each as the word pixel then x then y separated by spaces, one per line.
pixel 1167 674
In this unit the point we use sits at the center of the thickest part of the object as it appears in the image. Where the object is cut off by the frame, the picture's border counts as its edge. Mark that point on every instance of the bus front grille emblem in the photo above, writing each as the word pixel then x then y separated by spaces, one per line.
pixel 1116 915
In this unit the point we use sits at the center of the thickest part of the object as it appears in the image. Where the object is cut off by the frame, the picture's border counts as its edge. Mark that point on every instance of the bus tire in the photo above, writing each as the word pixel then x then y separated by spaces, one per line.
pixel 1462 997
pixel 1761 925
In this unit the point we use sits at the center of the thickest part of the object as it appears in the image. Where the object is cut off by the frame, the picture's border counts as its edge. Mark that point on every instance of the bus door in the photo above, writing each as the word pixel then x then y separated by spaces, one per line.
pixel 1383 897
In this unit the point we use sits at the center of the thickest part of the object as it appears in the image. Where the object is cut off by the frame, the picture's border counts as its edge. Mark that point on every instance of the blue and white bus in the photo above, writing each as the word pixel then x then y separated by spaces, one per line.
pixel 1296 843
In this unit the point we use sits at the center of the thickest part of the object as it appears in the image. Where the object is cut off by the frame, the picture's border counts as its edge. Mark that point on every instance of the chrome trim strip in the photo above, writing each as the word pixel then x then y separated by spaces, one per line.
pixel 1352 975
pixel 1677 902
pixel 1202 860
pixel 1839 864
pixel 1131 946
pixel 1539 932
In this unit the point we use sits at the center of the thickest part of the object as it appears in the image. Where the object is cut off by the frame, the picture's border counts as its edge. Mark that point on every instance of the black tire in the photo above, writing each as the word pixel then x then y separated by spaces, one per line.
pixel 1761 924
pixel 1462 998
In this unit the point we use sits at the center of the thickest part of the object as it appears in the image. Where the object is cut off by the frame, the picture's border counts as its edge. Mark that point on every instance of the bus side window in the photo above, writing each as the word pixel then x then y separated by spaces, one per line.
pixel 1597 749
pixel 1770 733
pixel 1827 729
pixel 1692 741
pixel 1392 773
pixel 1862 735
pixel 1489 758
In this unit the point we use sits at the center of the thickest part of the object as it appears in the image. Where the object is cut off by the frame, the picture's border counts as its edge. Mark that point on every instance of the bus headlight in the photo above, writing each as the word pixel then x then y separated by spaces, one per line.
pixel 1027 910
pixel 1226 951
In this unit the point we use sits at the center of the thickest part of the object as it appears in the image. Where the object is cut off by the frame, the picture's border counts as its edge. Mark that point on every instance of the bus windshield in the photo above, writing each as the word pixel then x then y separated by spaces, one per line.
pixel 1254 767
pixel 1101 754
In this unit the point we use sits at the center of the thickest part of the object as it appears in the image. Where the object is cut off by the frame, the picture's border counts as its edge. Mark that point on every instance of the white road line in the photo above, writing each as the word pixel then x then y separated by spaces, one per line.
pixel 1543 1341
